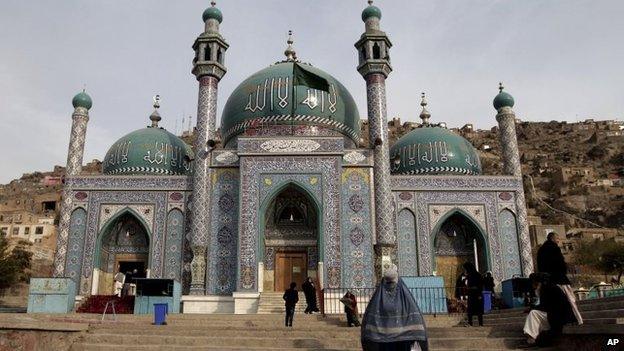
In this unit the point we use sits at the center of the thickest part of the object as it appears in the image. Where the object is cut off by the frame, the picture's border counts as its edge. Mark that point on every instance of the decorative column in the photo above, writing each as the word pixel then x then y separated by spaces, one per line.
pixel 506 119
pixel 208 67
pixel 374 65
pixel 82 103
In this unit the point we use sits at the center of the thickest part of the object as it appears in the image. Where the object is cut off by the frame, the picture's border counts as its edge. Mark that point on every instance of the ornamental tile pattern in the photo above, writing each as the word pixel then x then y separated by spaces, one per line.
pixel 157 183
pixel 524 239
pixel 509 240
pixel 174 245
pixel 145 212
pixel 477 212
pixel 310 145
pixel 63 232
pixel 263 176
pixel 102 198
pixel 378 129
pixel 205 130
pixel 80 117
pixel 222 253
pixel 75 244
pixel 406 241
pixel 357 234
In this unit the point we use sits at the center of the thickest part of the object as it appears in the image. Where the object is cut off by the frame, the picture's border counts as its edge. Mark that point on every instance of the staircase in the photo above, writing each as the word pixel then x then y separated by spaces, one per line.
pixel 502 331
pixel 273 303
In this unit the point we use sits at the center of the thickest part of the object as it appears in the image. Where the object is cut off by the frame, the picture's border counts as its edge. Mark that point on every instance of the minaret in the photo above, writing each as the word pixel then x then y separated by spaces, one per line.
pixel 82 103
pixel 506 119
pixel 208 67
pixel 374 66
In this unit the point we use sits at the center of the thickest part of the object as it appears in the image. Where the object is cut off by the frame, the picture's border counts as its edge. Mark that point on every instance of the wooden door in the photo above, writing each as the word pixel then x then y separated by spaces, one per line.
pixel 290 267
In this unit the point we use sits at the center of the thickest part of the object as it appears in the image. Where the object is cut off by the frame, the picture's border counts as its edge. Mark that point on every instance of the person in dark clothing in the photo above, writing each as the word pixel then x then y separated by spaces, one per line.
pixel 392 321
pixel 488 282
pixel 546 320
pixel 291 297
pixel 351 309
pixel 460 286
pixel 550 260
pixel 475 293
pixel 310 295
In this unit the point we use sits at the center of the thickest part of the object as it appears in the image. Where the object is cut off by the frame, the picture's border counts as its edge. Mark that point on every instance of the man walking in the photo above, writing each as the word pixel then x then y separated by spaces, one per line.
pixel 550 260
pixel 291 296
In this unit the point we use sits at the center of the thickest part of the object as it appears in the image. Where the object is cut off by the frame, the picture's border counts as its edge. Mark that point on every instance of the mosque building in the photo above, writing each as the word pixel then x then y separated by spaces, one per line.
pixel 285 192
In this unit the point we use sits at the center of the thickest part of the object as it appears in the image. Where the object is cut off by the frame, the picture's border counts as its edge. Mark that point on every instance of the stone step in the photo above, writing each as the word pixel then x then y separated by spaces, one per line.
pixel 602 306
pixel 108 347
pixel 587 314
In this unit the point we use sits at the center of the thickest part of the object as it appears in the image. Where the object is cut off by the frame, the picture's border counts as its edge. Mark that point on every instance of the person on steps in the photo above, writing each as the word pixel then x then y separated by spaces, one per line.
pixel 351 309
pixel 546 320
pixel 309 290
pixel 550 260
pixel 291 297
pixel 474 283
pixel 392 320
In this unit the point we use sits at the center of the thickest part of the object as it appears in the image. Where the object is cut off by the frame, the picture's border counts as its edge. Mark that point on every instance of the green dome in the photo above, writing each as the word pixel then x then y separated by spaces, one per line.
pixel 82 99
pixel 371 11
pixel 503 100
pixel 266 97
pixel 149 151
pixel 433 150
pixel 214 13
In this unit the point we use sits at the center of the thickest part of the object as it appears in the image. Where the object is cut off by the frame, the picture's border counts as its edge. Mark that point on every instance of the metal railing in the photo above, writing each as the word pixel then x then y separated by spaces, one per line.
pixel 430 300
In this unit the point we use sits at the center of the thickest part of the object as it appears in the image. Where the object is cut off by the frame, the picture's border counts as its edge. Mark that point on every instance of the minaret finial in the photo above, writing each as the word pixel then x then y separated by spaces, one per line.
pixel 155 116
pixel 500 87
pixel 213 3
pixel 424 114
pixel 290 53
pixel 370 2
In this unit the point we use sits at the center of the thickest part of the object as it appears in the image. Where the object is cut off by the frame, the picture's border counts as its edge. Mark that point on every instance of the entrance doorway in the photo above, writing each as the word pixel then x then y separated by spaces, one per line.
pixel 290 267
pixel 290 238
pixel 458 241
pixel 123 247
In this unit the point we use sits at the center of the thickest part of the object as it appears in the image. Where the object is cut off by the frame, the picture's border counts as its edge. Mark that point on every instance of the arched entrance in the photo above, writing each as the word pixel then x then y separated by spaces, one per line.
pixel 458 239
pixel 290 240
pixel 123 246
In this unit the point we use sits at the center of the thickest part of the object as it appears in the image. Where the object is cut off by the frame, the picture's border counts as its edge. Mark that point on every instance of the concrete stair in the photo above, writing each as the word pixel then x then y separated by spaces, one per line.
pixel 502 331
pixel 273 303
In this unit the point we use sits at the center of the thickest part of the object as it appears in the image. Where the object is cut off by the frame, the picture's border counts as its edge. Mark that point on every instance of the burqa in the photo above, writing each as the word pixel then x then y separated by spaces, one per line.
pixel 550 260
pixel 392 320
pixel 475 293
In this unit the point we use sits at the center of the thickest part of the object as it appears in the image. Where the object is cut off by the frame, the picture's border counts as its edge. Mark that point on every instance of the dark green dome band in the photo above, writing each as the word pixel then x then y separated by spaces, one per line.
pixel 149 151
pixel 266 99
pixel 433 150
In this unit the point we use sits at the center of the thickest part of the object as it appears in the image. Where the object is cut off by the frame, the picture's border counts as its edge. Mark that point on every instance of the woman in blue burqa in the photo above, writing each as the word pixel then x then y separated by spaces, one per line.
pixel 392 320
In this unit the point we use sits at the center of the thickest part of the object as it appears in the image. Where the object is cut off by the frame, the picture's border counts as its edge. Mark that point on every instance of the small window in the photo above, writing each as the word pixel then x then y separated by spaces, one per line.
pixel 15 230
pixel 207 54
pixel 376 51
pixel 363 53
pixel 26 230
pixel 39 230
pixel 4 230
pixel 220 56
pixel 1 218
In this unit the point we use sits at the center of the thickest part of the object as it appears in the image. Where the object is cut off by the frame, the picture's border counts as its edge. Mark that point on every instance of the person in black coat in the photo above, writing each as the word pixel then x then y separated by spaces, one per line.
pixel 546 320
pixel 310 295
pixel 291 297
pixel 474 282
pixel 550 260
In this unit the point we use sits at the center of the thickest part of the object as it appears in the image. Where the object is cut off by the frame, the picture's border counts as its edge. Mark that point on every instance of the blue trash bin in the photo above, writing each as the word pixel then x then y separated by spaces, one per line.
pixel 487 301
pixel 160 313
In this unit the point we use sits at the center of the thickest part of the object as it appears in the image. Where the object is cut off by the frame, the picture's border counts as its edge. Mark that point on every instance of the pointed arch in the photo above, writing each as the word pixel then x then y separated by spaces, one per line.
pixel 481 235
pixel 108 226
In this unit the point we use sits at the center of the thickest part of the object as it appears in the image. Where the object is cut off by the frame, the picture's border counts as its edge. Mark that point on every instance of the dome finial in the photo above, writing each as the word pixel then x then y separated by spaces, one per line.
pixel 370 2
pixel 500 87
pixel 424 114
pixel 155 116
pixel 213 3
pixel 291 54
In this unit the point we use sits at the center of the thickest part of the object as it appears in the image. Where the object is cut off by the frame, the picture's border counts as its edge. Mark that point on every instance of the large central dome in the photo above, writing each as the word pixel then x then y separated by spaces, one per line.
pixel 266 97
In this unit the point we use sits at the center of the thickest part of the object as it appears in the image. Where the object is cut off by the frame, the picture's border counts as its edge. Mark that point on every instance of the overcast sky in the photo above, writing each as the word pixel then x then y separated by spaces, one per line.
pixel 560 60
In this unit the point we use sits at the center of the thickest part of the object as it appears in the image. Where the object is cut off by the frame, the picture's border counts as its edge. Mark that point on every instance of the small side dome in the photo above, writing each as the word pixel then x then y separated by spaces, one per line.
pixel 503 99
pixel 149 151
pixel 371 11
pixel 434 150
pixel 83 100
pixel 213 13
